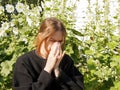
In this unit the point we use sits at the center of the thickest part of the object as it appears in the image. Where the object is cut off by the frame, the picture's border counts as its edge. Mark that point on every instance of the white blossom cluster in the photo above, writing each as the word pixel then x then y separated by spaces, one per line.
pixel 9 8
pixel 25 14
pixel 1 9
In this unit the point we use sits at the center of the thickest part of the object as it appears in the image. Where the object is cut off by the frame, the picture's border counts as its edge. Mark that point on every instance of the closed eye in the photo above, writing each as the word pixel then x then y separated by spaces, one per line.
pixel 52 40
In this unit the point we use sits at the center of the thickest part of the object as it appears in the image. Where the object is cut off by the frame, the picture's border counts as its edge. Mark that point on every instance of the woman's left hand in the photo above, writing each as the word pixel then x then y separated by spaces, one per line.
pixel 59 58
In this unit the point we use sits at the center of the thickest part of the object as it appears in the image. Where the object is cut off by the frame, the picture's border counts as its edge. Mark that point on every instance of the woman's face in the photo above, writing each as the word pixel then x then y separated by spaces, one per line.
pixel 56 37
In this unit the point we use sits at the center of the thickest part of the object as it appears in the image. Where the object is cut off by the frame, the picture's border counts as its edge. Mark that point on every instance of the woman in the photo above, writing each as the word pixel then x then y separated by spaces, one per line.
pixel 47 67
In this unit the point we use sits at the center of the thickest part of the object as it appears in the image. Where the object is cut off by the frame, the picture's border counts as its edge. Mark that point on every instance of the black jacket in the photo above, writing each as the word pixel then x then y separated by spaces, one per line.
pixel 29 74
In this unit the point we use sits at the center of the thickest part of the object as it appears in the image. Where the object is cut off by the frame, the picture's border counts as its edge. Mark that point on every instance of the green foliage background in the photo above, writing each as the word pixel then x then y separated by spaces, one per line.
pixel 96 52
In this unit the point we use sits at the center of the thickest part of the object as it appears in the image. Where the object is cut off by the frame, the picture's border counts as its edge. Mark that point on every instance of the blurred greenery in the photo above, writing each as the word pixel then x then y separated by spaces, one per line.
pixel 94 47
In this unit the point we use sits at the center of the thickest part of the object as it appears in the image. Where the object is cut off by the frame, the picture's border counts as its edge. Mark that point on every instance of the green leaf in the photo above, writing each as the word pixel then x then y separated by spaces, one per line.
pixel 91 65
pixel 116 58
pixel 112 44
pixel 113 64
pixel 89 52
pixel 6 68
pixel 116 86
pixel 77 32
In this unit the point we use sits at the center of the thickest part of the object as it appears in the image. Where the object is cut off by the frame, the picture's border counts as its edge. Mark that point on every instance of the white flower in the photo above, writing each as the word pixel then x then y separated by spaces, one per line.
pixel 20 7
pixel 5 26
pixel 42 5
pixel 12 23
pixel 116 32
pixel 36 11
pixel 9 8
pixel 70 4
pixel 20 20
pixel 31 13
pixel 100 81
pixel 26 10
pixel 39 8
pixel 1 9
pixel 106 78
pixel 29 21
pixel 37 24
pixel 26 7
pixel 25 40
pixel 15 31
pixel 2 33
pixel 48 4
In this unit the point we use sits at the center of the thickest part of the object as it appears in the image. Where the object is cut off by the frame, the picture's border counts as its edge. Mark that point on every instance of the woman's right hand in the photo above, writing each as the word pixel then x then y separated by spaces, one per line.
pixel 52 57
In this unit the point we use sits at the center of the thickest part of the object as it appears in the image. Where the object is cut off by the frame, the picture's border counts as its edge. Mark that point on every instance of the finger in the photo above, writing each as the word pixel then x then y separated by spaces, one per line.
pixel 57 52
pixel 60 53
pixel 60 59
pixel 54 47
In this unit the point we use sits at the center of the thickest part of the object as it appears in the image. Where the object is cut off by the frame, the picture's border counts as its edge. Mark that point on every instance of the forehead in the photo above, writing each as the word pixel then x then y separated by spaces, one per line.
pixel 58 35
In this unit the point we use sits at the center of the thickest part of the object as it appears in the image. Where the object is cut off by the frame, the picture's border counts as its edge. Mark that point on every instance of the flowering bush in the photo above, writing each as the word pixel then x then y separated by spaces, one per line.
pixel 95 47
pixel 19 25
pixel 18 28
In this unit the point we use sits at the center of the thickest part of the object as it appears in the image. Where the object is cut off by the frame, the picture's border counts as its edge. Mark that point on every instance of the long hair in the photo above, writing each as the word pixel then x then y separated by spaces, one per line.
pixel 47 28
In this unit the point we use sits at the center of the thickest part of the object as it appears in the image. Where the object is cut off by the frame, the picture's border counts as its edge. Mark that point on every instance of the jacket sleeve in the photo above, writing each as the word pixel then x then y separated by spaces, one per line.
pixel 71 79
pixel 23 81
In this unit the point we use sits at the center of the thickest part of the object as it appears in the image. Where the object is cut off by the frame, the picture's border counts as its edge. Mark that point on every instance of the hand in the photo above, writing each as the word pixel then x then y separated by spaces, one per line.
pixel 52 57
pixel 59 58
